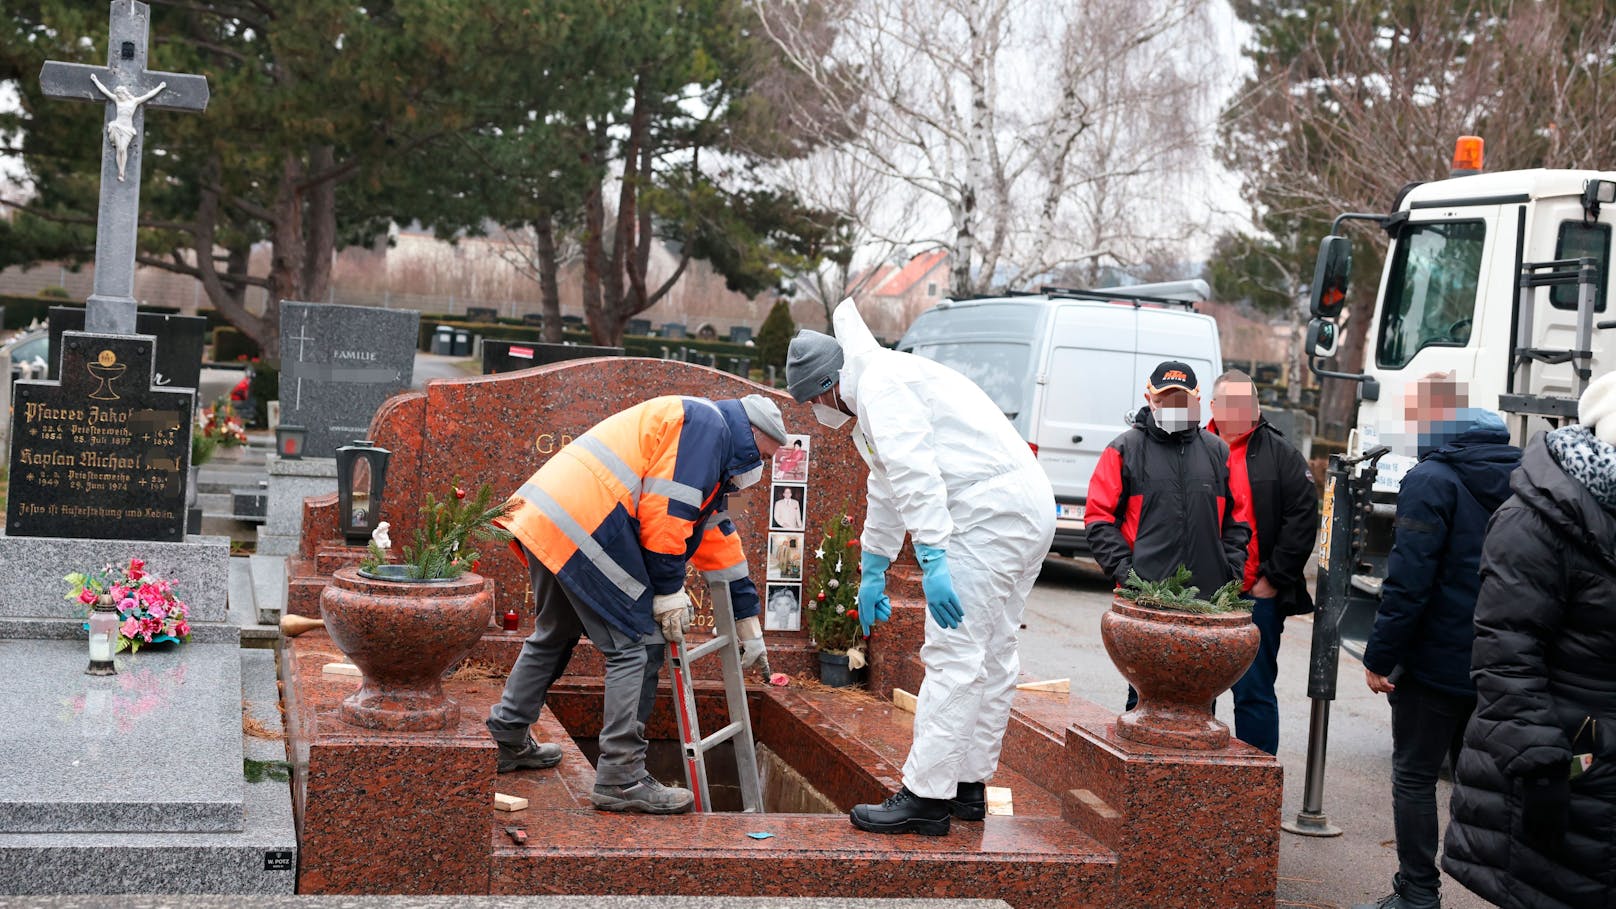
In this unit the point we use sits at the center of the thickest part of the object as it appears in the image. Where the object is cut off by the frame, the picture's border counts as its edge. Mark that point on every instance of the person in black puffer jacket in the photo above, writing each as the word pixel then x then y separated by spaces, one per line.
pixel 1534 805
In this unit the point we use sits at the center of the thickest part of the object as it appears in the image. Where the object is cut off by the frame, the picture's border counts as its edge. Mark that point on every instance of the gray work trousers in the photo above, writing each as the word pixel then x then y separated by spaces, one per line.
pixel 632 668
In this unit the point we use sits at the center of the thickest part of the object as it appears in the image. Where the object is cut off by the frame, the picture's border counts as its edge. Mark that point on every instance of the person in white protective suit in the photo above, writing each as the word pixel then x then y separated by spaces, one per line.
pixel 946 467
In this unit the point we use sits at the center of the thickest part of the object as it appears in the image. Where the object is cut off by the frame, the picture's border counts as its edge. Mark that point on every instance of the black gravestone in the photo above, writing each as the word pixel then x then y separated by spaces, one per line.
pixel 674 330
pixel 740 334
pixel 639 327
pixel 179 342
pixel 481 314
pixel 533 318
pixel 100 454
pixel 510 356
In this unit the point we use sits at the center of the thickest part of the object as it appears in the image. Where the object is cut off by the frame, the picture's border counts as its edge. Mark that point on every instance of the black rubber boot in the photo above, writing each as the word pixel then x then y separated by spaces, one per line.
pixel 529 755
pixel 904 812
pixel 970 801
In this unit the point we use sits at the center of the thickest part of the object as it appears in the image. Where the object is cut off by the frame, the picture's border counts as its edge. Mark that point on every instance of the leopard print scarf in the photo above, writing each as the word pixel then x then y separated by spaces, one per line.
pixel 1587 460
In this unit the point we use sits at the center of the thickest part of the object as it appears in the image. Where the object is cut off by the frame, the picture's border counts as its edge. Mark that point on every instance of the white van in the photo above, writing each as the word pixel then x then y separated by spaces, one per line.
pixel 1068 367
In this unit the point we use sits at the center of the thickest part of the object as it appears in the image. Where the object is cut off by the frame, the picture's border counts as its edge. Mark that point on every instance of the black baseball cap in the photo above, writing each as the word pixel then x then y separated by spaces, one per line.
pixel 1173 374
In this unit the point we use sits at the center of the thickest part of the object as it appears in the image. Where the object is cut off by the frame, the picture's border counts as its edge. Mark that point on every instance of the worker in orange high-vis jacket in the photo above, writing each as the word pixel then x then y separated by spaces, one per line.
pixel 607 527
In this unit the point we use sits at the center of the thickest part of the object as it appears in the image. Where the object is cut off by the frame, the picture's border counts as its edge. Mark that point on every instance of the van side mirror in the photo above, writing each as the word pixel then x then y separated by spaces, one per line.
pixel 1321 338
pixel 1330 276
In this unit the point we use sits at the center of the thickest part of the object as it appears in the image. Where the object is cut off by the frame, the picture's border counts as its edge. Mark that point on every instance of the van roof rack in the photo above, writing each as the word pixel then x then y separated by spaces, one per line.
pixel 1113 293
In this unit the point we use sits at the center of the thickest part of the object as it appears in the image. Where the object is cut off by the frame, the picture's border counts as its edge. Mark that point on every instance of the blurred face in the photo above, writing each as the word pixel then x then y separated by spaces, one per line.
pixel 1431 404
pixel 766 445
pixel 1172 397
pixel 1176 409
pixel 1234 407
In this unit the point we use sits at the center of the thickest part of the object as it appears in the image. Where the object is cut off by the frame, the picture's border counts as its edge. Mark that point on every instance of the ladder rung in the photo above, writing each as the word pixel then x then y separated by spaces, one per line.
pixel 720 737
pixel 701 650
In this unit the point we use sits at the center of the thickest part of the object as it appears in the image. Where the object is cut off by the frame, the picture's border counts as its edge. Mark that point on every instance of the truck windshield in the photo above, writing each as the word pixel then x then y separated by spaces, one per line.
pixel 1431 290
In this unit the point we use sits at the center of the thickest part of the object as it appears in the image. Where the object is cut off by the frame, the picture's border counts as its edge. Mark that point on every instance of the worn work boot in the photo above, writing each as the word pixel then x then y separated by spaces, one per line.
pixel 644 797
pixel 904 812
pixel 970 801
pixel 529 755
pixel 1404 897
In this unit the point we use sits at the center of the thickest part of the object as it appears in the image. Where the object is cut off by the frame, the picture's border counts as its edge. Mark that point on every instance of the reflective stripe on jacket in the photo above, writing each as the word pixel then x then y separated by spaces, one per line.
pixel 618 513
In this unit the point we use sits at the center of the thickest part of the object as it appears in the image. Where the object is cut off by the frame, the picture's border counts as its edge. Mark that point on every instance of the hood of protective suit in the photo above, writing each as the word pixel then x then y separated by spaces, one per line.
pixel 743 451
pixel 858 343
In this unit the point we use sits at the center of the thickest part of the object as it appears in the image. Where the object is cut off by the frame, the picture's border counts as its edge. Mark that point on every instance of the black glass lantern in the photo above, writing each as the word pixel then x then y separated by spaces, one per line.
pixel 289 441
pixel 361 473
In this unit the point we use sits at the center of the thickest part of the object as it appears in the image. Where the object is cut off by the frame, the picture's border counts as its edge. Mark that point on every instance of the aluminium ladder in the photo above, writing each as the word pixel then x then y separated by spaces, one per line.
pixel 680 659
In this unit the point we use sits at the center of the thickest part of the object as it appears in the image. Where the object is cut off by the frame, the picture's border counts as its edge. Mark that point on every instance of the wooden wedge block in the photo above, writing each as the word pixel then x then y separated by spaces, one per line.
pixel 1063 686
pixel 503 802
pixel 903 700
pixel 294 625
pixel 341 669
pixel 999 801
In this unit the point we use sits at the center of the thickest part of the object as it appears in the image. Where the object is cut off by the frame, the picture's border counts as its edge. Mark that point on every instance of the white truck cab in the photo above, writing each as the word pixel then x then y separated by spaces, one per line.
pixel 1499 278
pixel 1069 367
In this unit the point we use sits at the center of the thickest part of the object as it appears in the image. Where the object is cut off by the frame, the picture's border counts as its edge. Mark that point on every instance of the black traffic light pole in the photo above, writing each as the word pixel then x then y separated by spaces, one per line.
pixel 1349 483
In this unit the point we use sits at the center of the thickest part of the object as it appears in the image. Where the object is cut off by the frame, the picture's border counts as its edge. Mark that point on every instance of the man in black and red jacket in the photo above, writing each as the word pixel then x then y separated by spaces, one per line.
pixel 1159 497
pixel 1274 494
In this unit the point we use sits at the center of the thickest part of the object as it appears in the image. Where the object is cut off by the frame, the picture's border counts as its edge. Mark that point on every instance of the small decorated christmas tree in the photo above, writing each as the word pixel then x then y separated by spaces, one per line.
pixel 832 595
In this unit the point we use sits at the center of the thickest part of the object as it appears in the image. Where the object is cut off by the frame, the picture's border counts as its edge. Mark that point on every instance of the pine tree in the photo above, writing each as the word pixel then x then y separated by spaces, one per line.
pixel 832 597
pixel 775 336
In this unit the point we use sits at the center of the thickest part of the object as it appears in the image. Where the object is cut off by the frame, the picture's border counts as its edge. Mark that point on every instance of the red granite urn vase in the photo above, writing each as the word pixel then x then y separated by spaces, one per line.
pixel 1179 662
pixel 403 635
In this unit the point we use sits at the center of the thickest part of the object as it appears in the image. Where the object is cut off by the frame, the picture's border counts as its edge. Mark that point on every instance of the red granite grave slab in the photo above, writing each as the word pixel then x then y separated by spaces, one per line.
pixel 1032 863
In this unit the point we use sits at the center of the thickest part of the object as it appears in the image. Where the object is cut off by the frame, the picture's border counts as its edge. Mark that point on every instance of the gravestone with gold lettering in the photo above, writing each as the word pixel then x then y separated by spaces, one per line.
pixel 338 364
pixel 101 453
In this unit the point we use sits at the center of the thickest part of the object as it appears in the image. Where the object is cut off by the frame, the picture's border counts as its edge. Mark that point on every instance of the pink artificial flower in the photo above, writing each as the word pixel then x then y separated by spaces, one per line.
pixel 128 605
pixel 182 629
pixel 118 591
pixel 86 596
pixel 159 613
pixel 130 628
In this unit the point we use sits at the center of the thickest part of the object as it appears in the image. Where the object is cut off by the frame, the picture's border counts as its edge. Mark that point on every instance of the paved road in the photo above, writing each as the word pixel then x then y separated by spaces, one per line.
pixel 1062 638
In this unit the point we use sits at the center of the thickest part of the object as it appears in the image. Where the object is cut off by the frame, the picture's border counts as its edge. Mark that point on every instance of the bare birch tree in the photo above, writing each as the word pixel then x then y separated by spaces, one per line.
pixel 1040 132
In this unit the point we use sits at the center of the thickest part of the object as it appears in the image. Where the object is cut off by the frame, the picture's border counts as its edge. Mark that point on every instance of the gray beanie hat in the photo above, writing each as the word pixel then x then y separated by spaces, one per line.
pixel 765 417
pixel 812 363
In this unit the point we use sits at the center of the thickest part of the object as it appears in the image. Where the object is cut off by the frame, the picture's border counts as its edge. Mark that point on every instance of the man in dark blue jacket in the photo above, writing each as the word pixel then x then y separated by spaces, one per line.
pixel 1419 652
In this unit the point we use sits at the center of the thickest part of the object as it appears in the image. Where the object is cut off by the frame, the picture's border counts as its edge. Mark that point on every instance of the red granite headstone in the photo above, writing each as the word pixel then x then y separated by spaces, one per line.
pixel 499 429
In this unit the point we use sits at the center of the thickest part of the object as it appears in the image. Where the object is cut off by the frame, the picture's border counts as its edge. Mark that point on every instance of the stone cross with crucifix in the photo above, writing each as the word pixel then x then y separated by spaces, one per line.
pixel 127 87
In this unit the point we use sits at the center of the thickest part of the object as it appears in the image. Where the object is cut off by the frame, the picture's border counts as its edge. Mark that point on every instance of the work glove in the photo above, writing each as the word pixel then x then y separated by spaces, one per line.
pixel 672 612
pixel 939 587
pixel 873 605
pixel 1545 808
pixel 750 633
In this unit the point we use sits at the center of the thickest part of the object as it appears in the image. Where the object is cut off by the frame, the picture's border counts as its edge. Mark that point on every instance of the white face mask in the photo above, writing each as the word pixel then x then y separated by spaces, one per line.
pixel 749 478
pixel 830 416
pixel 1176 419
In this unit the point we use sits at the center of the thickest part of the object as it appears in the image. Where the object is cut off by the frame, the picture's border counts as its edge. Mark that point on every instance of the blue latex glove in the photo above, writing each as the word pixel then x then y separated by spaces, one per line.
pixel 873 605
pixel 939 587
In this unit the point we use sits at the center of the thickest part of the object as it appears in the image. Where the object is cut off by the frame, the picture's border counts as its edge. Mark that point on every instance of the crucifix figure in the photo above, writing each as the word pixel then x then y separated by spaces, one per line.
pixel 127 89
pixel 122 127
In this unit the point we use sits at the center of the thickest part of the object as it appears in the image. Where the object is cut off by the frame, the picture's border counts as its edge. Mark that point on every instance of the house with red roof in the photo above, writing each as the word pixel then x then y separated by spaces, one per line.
pixel 892 296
